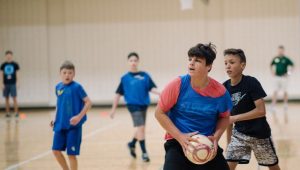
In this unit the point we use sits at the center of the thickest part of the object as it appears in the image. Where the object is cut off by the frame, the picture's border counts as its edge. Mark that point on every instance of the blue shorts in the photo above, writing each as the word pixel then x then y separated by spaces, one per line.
pixel 69 139
pixel 10 89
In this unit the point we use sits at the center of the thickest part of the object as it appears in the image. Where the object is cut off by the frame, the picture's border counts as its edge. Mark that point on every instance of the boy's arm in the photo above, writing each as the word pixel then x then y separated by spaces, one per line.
pixel 155 91
pixel 222 124
pixel 114 106
pixel 53 118
pixel 229 133
pixel 290 69
pixel 17 78
pixel 1 79
pixel 169 126
pixel 259 111
pixel 87 105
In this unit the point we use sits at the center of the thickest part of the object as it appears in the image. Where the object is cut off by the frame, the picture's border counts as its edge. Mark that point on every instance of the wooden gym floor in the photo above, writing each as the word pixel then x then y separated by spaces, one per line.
pixel 25 142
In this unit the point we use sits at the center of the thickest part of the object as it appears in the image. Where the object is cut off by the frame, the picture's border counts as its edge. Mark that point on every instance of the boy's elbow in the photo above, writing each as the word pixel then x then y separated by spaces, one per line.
pixel 89 103
pixel 262 112
pixel 158 113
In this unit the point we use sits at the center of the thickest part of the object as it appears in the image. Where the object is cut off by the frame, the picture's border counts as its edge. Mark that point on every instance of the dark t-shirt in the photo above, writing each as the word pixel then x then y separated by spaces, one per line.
pixel 9 72
pixel 243 96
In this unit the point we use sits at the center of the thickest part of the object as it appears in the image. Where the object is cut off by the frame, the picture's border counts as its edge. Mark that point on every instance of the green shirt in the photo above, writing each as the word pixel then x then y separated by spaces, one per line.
pixel 281 65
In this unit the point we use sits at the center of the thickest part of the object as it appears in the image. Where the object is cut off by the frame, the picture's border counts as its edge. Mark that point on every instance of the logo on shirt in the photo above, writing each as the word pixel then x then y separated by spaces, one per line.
pixel 237 97
pixel 139 77
pixel 9 70
pixel 60 92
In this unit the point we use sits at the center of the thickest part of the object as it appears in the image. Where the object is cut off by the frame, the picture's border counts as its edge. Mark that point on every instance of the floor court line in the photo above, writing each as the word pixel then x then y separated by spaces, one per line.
pixel 91 134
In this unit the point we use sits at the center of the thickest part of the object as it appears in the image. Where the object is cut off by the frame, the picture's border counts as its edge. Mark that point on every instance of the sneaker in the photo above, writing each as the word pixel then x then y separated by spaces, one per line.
pixel 145 157
pixel 17 115
pixel 7 115
pixel 131 150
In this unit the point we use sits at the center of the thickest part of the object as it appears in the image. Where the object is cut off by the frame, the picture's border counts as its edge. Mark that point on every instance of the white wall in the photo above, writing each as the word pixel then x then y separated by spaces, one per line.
pixel 97 35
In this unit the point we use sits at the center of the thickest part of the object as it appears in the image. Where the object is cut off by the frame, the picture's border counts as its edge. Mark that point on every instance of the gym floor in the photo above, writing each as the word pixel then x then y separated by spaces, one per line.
pixel 25 142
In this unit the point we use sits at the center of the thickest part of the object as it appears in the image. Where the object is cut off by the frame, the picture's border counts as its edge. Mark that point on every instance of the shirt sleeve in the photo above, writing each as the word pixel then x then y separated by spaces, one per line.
pixel 82 94
pixel 120 89
pixel 56 92
pixel 151 84
pixel 290 62
pixel 169 95
pixel 17 66
pixel 2 67
pixel 256 90
pixel 225 105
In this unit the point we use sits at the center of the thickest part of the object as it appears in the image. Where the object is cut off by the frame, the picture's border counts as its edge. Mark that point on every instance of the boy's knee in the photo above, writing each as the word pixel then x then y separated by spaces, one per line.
pixel 72 157
pixel 56 152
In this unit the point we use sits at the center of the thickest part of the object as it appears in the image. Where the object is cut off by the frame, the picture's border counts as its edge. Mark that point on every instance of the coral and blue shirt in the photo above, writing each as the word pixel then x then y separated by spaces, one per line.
pixel 70 102
pixel 192 109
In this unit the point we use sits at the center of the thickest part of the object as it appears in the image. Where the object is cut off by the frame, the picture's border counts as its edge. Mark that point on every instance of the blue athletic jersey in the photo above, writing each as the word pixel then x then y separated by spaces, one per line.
pixel 196 112
pixel 69 103
pixel 135 87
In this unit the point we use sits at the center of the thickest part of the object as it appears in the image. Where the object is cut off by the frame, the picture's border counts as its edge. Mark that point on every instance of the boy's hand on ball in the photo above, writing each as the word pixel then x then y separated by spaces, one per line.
pixel 215 142
pixel 184 140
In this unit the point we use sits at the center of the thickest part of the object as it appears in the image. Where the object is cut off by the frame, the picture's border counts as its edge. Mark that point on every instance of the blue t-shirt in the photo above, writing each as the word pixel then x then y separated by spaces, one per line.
pixel 135 87
pixel 196 112
pixel 69 103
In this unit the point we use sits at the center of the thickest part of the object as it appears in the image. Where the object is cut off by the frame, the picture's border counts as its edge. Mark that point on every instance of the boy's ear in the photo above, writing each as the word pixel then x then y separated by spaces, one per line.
pixel 209 68
pixel 243 65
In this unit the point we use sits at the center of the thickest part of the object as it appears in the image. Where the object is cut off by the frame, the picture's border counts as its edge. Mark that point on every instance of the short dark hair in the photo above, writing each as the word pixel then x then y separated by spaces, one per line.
pixel 133 54
pixel 67 65
pixel 237 52
pixel 281 47
pixel 207 51
pixel 8 52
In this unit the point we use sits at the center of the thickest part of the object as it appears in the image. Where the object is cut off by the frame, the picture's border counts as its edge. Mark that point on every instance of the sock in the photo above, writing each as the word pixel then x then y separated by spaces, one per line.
pixel 132 143
pixel 143 147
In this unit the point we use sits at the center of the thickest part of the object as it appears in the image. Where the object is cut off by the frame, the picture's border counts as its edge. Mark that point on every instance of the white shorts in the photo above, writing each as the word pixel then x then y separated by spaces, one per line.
pixel 281 83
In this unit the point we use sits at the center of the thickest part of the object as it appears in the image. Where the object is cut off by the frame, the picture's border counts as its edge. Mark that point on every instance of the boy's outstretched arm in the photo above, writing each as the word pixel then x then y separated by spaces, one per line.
pixel 87 105
pixel 259 111
pixel 222 124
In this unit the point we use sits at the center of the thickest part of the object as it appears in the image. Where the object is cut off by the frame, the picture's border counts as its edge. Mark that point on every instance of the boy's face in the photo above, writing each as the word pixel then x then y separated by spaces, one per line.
pixel 280 51
pixel 67 75
pixel 233 65
pixel 133 62
pixel 197 66
pixel 8 57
